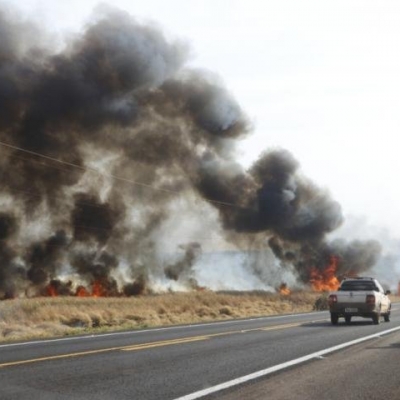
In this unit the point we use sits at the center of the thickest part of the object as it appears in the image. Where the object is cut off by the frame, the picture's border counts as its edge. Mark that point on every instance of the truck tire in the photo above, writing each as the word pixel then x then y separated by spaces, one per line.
pixel 347 318
pixel 376 318
pixel 334 318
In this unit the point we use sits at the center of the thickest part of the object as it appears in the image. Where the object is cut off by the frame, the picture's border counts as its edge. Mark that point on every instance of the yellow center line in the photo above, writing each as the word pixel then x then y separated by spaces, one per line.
pixel 212 335
pixel 60 356
pixel 274 328
pixel 164 343
pixel 265 328
pixel 150 345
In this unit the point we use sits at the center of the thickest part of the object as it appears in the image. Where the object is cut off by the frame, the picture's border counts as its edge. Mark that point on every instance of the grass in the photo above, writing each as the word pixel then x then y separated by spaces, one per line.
pixel 24 319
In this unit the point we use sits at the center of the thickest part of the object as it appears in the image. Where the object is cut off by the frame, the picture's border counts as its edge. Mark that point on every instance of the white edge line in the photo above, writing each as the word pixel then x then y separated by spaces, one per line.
pixel 275 368
pixel 165 328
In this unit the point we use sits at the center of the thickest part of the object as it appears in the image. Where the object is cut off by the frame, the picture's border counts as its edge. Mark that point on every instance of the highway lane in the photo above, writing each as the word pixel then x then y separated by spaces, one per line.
pixel 167 363
pixel 369 370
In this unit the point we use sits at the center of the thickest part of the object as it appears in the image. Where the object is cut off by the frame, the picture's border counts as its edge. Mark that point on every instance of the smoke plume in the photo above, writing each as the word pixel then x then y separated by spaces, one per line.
pixel 101 140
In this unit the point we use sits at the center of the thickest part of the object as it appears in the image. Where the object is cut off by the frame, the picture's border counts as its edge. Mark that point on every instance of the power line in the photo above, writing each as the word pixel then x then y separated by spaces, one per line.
pixel 38 195
pixel 112 176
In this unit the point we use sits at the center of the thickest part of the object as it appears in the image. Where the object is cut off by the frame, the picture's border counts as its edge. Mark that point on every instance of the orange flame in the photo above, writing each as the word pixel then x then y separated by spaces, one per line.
pixel 325 280
pixel 81 291
pixel 98 290
pixel 284 290
pixel 51 291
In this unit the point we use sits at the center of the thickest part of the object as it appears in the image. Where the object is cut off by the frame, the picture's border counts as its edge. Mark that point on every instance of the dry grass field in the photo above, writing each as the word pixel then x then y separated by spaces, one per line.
pixel 22 319
pixel 59 316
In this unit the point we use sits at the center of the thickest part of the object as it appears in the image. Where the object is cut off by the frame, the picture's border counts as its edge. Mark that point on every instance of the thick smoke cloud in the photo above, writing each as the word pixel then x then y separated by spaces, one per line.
pixel 120 100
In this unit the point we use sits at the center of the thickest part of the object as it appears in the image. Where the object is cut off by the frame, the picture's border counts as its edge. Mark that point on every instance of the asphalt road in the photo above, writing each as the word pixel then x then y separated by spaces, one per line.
pixel 183 362
pixel 366 371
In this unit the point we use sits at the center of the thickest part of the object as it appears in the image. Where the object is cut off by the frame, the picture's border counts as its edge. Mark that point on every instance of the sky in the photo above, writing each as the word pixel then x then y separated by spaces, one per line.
pixel 320 79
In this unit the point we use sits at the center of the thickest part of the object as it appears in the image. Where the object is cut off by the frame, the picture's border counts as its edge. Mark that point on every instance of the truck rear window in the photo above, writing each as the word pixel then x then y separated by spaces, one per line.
pixel 355 286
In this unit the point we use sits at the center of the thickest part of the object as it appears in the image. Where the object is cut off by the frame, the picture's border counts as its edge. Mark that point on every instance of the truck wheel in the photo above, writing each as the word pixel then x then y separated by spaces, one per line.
pixel 334 318
pixel 347 318
pixel 387 317
pixel 376 318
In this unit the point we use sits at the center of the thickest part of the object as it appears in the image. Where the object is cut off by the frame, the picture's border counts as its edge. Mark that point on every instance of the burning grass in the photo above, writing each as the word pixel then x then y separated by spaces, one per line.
pixel 22 319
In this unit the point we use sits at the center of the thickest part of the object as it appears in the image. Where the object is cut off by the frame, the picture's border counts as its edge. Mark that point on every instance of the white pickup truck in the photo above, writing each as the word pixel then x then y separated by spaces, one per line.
pixel 359 297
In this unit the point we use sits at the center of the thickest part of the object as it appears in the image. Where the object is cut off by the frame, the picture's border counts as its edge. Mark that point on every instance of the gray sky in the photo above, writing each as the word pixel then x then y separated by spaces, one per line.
pixel 317 78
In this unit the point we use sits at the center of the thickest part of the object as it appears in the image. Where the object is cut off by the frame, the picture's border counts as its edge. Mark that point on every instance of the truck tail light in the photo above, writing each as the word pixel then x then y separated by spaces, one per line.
pixel 332 299
pixel 370 299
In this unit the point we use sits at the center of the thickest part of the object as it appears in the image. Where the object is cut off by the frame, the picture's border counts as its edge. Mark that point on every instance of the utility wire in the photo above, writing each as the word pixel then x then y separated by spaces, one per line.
pixel 82 203
pixel 112 176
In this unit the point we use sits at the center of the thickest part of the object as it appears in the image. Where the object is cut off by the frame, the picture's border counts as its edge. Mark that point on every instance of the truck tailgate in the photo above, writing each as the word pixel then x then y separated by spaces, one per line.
pixel 351 297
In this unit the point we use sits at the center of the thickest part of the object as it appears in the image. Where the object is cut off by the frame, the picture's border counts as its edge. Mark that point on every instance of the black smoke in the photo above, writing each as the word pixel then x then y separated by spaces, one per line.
pixel 99 139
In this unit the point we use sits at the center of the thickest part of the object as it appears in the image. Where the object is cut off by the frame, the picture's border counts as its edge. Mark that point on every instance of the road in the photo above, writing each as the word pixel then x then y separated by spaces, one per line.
pixel 366 371
pixel 188 362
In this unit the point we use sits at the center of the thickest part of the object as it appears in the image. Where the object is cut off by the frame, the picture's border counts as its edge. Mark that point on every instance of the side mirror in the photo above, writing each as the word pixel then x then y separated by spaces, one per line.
pixel 388 292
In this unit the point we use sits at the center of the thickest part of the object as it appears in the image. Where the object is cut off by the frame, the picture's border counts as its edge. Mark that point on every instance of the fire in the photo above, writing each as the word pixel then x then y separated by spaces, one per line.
pixel 98 290
pixel 56 288
pixel 325 280
pixel 51 290
pixel 284 290
pixel 81 291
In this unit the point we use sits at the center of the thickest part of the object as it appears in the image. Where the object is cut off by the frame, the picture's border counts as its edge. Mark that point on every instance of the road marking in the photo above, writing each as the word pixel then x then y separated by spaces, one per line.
pixel 60 356
pixel 205 337
pixel 279 367
pixel 164 343
pixel 286 326
pixel 144 346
